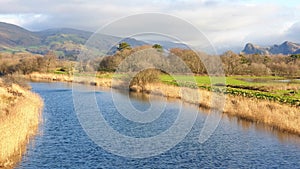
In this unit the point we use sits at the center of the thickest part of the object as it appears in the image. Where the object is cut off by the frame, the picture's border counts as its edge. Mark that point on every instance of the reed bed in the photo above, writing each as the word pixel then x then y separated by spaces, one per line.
pixel 280 116
pixel 19 119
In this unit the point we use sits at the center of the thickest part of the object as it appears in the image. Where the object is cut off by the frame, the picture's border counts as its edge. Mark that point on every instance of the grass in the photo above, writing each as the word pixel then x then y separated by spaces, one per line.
pixel 250 105
pixel 263 87
pixel 19 120
pixel 258 87
pixel 231 80
pixel 60 72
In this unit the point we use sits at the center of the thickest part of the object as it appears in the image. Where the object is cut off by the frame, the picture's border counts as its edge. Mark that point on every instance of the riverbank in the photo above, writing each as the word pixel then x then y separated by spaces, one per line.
pixel 280 116
pixel 19 119
pixel 277 115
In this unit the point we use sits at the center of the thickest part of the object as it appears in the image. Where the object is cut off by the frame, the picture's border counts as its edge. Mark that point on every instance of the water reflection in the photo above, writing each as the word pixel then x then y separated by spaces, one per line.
pixel 247 126
pixel 140 96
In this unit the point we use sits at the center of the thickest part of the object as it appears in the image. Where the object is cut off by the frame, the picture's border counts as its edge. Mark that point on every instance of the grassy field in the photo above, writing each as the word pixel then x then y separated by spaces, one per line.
pixel 266 87
pixel 232 80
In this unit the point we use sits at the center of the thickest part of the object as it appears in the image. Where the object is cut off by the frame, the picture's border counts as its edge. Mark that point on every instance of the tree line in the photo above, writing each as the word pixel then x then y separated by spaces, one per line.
pixel 199 63
pixel 26 63
pixel 176 60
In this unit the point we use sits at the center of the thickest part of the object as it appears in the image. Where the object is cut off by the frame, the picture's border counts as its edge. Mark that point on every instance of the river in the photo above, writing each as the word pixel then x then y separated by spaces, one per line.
pixel 62 142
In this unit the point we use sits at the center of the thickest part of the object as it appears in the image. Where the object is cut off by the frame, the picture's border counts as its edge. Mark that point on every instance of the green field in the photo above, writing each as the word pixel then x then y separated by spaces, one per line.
pixel 232 80
pixel 265 87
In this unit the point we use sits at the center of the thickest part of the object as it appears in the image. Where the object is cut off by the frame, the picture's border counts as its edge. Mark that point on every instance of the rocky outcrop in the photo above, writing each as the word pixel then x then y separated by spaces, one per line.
pixel 254 49
pixel 285 48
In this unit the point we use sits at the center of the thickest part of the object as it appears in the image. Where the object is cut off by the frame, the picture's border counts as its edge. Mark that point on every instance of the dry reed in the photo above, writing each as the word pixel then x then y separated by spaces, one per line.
pixel 274 114
pixel 19 118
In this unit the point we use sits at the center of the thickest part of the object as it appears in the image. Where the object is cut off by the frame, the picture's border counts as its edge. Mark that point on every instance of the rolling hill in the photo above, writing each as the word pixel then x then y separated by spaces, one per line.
pixel 65 42
pixel 12 35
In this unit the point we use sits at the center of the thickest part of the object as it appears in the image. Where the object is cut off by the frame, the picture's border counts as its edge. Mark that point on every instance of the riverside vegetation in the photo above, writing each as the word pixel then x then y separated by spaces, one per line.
pixel 260 88
pixel 19 118
pixel 280 115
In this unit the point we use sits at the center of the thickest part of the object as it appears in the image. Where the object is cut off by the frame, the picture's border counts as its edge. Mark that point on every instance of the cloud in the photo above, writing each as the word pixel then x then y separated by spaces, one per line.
pixel 23 19
pixel 224 22
pixel 293 33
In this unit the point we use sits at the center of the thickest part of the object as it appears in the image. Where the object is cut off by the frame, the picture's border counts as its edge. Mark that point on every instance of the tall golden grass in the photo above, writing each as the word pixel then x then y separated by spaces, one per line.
pixel 19 119
pixel 277 115
pixel 65 78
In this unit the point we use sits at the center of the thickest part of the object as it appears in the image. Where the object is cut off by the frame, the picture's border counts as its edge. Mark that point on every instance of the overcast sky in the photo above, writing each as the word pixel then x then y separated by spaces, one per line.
pixel 227 23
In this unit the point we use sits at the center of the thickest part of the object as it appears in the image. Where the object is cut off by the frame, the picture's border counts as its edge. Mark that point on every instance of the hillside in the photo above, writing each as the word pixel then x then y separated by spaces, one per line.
pixel 65 42
pixel 12 35
pixel 284 48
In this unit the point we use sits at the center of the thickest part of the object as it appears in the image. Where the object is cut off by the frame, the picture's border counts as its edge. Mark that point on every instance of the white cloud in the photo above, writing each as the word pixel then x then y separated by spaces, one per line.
pixel 23 19
pixel 225 22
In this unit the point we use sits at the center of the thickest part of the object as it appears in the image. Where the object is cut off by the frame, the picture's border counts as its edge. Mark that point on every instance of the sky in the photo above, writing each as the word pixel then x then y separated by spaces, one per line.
pixel 228 24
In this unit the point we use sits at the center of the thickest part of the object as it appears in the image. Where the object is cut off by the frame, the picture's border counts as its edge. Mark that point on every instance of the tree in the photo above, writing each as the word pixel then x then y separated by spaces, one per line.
pixel 110 63
pixel 232 62
pixel 123 45
pixel 50 60
pixel 144 77
pixel 158 47
pixel 28 65
pixel 294 57
pixel 191 59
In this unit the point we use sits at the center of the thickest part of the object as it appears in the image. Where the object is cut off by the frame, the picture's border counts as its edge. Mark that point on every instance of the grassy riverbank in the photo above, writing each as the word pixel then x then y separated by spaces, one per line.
pixel 19 118
pixel 281 116
pixel 270 88
pixel 258 99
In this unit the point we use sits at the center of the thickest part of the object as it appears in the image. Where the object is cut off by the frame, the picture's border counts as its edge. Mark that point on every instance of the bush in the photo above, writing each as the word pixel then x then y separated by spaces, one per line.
pixel 144 77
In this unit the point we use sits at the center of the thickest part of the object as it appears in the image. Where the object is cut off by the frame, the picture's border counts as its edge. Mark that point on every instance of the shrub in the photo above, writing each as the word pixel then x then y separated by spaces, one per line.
pixel 144 77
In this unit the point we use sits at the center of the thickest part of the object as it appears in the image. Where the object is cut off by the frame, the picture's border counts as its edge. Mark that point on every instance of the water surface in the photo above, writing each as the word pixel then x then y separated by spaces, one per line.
pixel 62 143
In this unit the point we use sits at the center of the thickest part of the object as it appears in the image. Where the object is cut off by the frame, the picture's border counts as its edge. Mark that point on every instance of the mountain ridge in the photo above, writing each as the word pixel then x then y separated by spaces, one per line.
pixel 285 48
pixel 68 41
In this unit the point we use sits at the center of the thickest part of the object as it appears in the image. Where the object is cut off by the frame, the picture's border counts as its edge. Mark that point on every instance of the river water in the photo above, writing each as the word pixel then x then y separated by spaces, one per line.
pixel 63 143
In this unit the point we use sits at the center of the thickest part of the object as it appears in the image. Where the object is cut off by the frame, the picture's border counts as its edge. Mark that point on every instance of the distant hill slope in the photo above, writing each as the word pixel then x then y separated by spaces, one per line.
pixel 12 35
pixel 63 34
pixel 65 42
pixel 284 48
pixel 169 45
